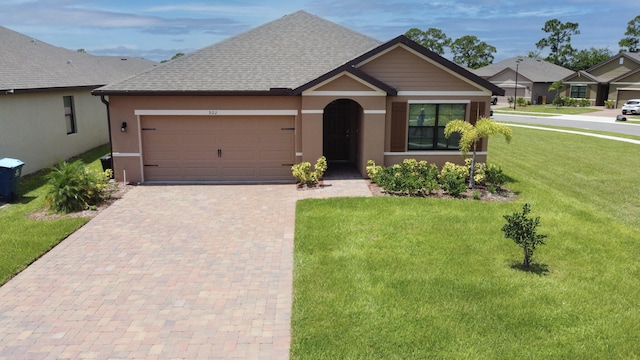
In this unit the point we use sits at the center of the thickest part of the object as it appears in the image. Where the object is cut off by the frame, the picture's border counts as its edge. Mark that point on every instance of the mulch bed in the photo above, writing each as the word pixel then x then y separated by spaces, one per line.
pixel 480 193
pixel 119 190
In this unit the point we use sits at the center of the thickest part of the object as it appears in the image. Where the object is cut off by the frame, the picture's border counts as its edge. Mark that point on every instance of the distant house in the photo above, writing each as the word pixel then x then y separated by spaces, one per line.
pixel 292 90
pixel 47 112
pixel 534 77
pixel 616 79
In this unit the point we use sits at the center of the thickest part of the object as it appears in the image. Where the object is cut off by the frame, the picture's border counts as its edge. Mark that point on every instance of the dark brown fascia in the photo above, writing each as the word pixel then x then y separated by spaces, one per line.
pixel 350 68
pixel 10 92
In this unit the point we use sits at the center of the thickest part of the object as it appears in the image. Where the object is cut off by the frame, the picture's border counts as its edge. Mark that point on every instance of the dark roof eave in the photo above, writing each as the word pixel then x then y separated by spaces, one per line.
pixel 13 91
pixel 352 70
pixel 270 92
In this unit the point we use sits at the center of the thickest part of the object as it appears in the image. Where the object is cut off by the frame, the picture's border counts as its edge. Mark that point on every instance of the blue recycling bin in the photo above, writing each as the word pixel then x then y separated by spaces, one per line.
pixel 10 172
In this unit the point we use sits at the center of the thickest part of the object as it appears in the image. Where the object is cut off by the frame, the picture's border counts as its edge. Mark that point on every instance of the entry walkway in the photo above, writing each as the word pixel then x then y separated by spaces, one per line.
pixel 187 272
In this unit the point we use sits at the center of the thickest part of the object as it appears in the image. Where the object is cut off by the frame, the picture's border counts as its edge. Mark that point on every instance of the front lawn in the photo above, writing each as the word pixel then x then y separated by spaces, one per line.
pixel 23 240
pixel 416 278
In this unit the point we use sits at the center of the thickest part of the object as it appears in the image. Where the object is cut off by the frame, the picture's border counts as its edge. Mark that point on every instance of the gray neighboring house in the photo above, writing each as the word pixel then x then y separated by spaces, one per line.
pixel 534 76
pixel 47 112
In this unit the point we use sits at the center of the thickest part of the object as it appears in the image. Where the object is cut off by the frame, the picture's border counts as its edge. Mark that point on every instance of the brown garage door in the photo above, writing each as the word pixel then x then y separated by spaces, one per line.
pixel 198 148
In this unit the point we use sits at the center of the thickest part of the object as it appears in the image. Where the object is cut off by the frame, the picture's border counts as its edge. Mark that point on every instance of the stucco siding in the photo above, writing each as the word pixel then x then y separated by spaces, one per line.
pixel 33 127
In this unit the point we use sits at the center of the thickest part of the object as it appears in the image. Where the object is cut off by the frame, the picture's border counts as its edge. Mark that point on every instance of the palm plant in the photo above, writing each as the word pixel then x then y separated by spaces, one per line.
pixel 470 135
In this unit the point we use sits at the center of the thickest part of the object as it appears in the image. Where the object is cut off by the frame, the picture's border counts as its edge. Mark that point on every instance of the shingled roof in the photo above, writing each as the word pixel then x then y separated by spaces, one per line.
pixel 283 54
pixel 29 64
pixel 536 70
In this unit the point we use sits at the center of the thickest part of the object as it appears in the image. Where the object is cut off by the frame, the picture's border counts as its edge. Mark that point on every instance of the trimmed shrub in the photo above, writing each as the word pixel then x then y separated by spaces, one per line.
pixel 453 178
pixel 76 188
pixel 305 176
pixel 412 177
pixel 373 170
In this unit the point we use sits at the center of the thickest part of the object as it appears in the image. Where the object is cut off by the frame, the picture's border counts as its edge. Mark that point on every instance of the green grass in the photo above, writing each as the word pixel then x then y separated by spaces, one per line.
pixel 23 240
pixel 413 278
pixel 546 109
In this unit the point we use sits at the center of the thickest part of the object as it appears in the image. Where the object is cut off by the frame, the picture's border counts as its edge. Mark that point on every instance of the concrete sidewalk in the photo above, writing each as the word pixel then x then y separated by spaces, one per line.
pixel 167 272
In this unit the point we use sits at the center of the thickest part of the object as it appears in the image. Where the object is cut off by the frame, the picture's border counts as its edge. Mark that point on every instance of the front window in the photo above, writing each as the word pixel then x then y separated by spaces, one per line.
pixel 579 91
pixel 427 123
pixel 69 115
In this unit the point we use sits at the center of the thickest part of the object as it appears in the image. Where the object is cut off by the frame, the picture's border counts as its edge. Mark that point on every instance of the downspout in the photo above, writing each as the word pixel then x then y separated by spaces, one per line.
pixel 106 103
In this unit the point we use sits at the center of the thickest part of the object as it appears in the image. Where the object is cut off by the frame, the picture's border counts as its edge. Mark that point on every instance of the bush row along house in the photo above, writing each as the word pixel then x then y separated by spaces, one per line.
pixel 47 112
pixel 292 90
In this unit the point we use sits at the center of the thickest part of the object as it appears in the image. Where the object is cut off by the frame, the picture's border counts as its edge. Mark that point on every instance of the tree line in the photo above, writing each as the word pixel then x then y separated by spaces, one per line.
pixel 470 51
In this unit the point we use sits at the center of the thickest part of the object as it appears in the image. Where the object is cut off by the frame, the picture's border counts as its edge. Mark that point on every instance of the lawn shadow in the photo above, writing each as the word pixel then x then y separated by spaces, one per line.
pixel 535 268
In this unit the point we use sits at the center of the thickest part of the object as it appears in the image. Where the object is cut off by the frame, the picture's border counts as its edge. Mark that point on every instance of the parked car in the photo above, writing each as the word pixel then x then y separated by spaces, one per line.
pixel 490 111
pixel 494 100
pixel 631 107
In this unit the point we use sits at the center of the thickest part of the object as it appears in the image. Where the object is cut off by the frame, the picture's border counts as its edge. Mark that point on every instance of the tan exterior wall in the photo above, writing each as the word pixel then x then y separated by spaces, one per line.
pixel 405 71
pixel 126 145
pixel 33 127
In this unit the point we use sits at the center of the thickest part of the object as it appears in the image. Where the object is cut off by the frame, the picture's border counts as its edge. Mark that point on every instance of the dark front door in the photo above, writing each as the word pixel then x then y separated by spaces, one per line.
pixel 340 120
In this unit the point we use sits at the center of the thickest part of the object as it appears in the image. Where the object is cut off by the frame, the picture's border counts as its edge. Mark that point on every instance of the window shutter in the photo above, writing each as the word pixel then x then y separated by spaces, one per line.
pixel 473 113
pixel 477 111
pixel 398 126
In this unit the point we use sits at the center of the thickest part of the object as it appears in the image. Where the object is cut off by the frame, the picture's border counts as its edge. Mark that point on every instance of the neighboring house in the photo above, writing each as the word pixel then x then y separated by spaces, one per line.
pixel 292 90
pixel 616 79
pixel 534 77
pixel 47 112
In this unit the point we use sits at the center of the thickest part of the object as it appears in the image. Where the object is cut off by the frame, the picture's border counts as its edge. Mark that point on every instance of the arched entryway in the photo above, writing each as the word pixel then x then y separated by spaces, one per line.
pixel 341 124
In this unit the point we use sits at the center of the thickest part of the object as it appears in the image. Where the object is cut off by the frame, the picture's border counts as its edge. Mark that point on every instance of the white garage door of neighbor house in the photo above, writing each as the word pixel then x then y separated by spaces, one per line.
pixel 232 148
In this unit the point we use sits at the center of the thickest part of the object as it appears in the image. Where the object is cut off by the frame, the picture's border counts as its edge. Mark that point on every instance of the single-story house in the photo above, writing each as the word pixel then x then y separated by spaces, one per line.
pixel 616 79
pixel 532 76
pixel 292 90
pixel 47 112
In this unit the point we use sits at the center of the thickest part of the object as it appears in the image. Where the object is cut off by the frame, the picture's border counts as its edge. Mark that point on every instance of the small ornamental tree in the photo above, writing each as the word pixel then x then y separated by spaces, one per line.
pixel 522 230
pixel 470 135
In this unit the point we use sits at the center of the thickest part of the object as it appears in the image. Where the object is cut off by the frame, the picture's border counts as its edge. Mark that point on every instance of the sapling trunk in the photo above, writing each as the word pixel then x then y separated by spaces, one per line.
pixel 472 182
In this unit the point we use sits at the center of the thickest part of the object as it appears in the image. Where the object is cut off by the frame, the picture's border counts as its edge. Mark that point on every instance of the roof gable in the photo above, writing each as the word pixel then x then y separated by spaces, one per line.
pixel 507 75
pixel 283 54
pixel 615 66
pixel 31 64
pixel 581 77
pixel 428 57
pixel 348 83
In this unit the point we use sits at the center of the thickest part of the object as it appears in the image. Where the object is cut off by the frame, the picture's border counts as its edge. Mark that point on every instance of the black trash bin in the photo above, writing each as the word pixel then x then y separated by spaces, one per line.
pixel 10 172
pixel 107 164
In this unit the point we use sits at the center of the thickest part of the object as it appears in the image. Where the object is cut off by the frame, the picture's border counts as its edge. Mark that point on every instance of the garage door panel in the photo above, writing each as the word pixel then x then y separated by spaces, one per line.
pixel 186 148
pixel 154 156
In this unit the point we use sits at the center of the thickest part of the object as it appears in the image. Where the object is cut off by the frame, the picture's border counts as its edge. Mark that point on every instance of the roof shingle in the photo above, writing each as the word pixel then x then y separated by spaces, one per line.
pixel 285 53
pixel 31 64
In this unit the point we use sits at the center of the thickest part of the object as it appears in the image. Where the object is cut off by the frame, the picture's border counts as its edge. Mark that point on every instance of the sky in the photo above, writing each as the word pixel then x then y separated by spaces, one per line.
pixel 158 29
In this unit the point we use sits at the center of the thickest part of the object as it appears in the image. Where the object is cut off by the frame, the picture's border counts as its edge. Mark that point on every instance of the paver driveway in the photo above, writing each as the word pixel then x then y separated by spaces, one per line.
pixel 166 272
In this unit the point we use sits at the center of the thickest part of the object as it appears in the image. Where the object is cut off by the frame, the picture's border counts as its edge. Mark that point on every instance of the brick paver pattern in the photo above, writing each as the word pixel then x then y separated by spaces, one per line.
pixel 166 272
